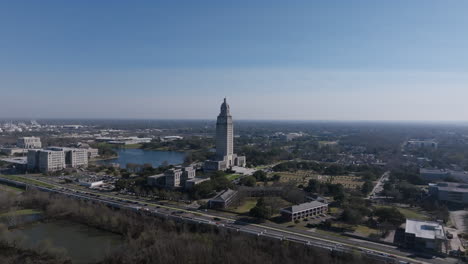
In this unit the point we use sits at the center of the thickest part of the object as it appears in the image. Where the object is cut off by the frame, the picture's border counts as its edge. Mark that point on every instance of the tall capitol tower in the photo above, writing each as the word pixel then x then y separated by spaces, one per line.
pixel 224 134
pixel 225 157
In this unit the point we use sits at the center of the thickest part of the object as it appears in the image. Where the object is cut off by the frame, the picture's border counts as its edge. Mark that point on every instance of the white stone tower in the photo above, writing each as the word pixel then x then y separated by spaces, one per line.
pixel 224 135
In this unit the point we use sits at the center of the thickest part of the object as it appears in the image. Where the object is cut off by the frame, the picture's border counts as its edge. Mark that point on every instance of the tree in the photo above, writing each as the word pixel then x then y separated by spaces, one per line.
pixel 248 181
pixel 367 187
pixel 390 215
pixel 261 210
pixel 276 177
pixel 352 216
pixel 260 175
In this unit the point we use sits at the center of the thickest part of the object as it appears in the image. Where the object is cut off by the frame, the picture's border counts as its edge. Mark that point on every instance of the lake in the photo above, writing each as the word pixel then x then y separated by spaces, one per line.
pixel 83 244
pixel 141 156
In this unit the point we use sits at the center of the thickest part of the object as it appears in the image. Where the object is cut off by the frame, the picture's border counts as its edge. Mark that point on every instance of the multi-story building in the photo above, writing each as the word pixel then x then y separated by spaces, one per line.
pixel 29 143
pixel 438 174
pixel 424 236
pixel 46 160
pixel 188 173
pixel 172 177
pixel 304 210
pixel 92 153
pixel 56 158
pixel 450 192
pixel 74 157
pixel 225 157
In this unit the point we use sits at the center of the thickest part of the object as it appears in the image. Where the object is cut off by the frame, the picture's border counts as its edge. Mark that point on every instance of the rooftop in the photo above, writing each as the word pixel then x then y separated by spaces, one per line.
pixel 303 207
pixel 425 229
pixel 451 186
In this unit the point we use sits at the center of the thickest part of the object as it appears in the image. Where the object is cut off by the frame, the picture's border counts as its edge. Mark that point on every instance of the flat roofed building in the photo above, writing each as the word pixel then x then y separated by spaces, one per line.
pixel 172 177
pixel 92 153
pixel 51 160
pixel 74 157
pixel 29 143
pixel 450 192
pixel 13 151
pixel 424 235
pixel 305 210
pixel 189 184
pixel 156 180
pixel 442 174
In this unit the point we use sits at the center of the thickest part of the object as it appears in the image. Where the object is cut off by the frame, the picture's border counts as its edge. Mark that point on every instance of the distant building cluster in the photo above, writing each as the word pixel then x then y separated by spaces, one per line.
pixel 421 143
pixel 56 159
pixel 225 157
pixel 124 140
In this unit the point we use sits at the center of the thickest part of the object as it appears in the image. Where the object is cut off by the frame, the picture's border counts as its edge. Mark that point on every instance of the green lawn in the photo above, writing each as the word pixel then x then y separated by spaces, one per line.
pixel 232 177
pixel 10 189
pixel 20 212
pixel 245 207
pixel 409 213
pixel 366 231
pixel 26 180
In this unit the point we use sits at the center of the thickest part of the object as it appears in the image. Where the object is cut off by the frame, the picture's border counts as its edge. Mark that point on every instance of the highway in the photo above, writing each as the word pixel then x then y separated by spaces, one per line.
pixel 387 254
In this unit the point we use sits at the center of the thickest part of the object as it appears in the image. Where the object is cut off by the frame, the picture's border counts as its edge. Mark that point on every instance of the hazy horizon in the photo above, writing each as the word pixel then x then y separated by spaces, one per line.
pixel 305 61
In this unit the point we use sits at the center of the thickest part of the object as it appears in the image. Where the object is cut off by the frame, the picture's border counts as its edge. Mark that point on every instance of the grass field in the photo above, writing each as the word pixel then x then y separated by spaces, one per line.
pixel 26 180
pixel 10 189
pixel 232 177
pixel 303 177
pixel 20 212
pixel 366 231
pixel 246 205
pixel 409 213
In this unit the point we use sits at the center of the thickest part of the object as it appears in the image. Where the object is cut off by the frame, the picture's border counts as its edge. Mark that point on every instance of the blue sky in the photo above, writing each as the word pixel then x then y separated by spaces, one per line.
pixel 307 60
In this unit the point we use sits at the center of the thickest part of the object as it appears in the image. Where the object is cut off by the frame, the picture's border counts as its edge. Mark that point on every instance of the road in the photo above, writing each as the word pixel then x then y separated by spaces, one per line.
pixel 379 186
pixel 328 242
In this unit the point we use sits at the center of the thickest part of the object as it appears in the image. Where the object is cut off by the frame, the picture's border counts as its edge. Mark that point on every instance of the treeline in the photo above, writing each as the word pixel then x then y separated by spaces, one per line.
pixel 259 156
pixel 157 240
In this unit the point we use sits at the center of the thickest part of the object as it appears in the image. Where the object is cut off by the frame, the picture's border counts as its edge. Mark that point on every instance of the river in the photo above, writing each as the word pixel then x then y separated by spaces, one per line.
pixel 83 244
pixel 141 156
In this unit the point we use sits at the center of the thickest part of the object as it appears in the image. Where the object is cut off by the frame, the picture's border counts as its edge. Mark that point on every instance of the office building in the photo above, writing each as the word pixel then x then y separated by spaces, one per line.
pixel 189 184
pixel 424 236
pixel 56 158
pixel 305 210
pixel 172 177
pixel 29 143
pixel 437 174
pixel 46 160
pixel 225 157
pixel 450 192
pixel 92 153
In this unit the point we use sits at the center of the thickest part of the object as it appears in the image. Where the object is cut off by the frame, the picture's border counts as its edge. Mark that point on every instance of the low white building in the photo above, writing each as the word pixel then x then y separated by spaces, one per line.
pixel 29 143
pixel 304 210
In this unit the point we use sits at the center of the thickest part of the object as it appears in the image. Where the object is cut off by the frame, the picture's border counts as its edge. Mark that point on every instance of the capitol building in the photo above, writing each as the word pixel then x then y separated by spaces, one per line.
pixel 225 157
